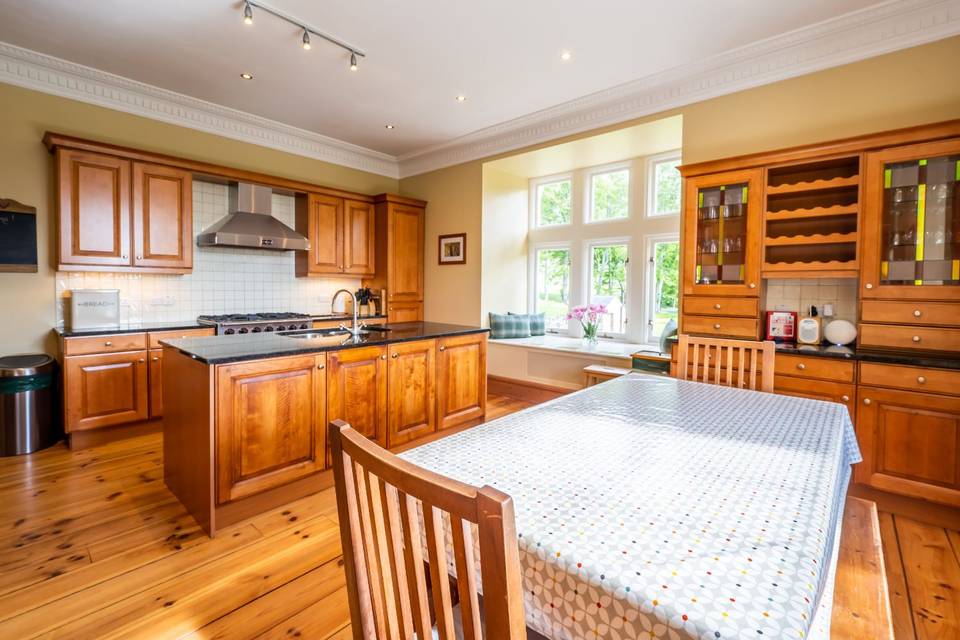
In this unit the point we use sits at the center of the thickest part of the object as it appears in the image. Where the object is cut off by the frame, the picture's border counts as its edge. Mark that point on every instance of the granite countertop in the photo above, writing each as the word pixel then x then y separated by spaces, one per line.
pixel 139 327
pixel 912 358
pixel 226 349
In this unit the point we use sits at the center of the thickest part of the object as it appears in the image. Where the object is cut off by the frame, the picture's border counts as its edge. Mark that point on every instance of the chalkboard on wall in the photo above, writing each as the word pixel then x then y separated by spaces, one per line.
pixel 18 237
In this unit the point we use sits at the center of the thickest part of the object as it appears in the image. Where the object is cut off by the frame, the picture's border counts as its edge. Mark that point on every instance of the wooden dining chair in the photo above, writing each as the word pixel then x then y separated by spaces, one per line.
pixel 739 363
pixel 380 498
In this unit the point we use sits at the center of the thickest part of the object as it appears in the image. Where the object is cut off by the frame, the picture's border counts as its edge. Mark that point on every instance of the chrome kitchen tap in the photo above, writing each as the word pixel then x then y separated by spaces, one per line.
pixel 356 329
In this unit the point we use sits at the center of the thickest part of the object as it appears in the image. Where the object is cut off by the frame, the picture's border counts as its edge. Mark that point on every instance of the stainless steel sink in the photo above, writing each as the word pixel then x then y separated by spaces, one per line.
pixel 318 334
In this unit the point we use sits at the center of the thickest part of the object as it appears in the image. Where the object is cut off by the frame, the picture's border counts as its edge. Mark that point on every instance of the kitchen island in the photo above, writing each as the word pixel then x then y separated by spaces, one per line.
pixel 245 416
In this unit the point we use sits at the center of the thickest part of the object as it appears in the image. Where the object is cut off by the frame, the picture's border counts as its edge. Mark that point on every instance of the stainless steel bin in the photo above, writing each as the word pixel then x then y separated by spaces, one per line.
pixel 27 399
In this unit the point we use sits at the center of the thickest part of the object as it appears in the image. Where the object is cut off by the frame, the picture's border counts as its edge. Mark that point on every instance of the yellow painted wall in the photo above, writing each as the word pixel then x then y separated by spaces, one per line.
pixel 27 311
pixel 909 87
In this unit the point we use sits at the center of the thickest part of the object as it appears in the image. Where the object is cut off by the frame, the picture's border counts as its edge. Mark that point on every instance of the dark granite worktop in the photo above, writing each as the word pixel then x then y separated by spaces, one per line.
pixel 226 349
pixel 141 327
pixel 910 358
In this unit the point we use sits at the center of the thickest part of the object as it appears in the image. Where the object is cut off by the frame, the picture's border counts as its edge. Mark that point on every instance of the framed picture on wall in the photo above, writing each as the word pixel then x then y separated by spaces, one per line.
pixel 452 249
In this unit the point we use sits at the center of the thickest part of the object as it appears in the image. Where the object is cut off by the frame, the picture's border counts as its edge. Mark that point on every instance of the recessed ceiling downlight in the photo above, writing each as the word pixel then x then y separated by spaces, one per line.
pixel 246 76
pixel 389 126
pixel 565 56
pixel 461 98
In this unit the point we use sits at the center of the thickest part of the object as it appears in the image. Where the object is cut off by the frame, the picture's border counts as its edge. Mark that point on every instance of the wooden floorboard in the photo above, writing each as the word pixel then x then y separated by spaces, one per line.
pixel 92 545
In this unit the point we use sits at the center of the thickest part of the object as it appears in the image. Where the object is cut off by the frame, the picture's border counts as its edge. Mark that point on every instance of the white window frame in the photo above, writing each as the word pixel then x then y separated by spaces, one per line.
pixel 532 278
pixel 589 175
pixel 650 241
pixel 588 282
pixel 652 162
pixel 535 184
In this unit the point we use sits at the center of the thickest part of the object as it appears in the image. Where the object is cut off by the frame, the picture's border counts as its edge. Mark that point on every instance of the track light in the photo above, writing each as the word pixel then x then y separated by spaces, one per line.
pixel 307 30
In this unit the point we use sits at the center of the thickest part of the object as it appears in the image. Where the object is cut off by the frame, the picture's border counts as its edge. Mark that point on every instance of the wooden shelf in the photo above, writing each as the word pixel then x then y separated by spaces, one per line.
pixel 813 212
pixel 817 238
pixel 814 185
pixel 830 269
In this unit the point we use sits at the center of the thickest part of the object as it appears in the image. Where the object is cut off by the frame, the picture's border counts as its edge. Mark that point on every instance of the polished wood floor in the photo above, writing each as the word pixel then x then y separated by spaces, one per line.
pixel 92 545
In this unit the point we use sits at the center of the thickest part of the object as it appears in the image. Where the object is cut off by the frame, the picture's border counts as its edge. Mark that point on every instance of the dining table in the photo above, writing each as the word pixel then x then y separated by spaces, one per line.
pixel 651 507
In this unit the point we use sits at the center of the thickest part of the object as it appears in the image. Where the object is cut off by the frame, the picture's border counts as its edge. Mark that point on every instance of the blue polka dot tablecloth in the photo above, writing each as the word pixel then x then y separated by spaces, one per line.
pixel 649 507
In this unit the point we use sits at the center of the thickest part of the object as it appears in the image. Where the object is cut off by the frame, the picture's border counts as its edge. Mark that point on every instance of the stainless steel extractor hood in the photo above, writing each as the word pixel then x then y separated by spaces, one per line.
pixel 249 224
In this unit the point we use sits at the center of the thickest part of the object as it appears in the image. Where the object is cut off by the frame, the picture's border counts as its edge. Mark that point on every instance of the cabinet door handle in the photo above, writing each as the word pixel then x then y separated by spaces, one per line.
pixel 140 360
pixel 319 366
pixel 108 344
pixel 155 358
pixel 916 313
pixel 123 257
pixel 139 257
pixel 383 357
pixel 921 380
pixel 845 398
pixel 396 355
pixel 716 326
pixel 916 338
pixel 801 366
pixel 868 286
pixel 443 348
pixel 717 306
pixel 867 401
pixel 752 285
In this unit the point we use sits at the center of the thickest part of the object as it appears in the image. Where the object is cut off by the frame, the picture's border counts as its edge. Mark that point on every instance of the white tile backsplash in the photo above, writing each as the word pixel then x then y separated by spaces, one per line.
pixel 224 280
pixel 800 295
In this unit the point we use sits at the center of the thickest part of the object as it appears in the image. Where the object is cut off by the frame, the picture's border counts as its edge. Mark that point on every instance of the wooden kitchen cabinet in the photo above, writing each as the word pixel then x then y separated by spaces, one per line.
pixel 93 206
pixel 399 256
pixel 909 443
pixel 271 424
pixel 105 389
pixel 911 230
pixel 320 218
pixel 119 215
pixel 844 393
pixel 357 390
pixel 411 391
pixel 359 238
pixel 722 234
pixel 461 379
pixel 162 216
pixel 342 236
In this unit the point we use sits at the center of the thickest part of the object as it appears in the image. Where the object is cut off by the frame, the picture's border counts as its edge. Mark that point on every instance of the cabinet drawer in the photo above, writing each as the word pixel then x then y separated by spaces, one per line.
pixel 910 378
pixel 156 336
pixel 918 313
pixel 894 337
pixel 701 305
pixel 813 367
pixel 104 344
pixel 721 326
pixel 818 390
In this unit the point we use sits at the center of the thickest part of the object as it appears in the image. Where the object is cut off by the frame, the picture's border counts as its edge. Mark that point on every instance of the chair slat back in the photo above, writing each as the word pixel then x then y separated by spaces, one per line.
pixel 709 355
pixel 388 507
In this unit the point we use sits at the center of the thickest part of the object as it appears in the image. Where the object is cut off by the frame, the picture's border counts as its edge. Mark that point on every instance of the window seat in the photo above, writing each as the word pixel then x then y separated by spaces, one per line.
pixel 555 361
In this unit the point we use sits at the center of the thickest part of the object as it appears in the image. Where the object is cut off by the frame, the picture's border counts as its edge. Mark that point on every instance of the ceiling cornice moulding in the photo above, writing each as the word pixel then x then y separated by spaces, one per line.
pixel 38 71
pixel 874 31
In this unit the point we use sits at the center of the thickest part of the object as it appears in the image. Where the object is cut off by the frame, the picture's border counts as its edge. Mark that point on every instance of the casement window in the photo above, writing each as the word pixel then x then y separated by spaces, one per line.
pixel 664 186
pixel 584 228
pixel 663 284
pixel 609 195
pixel 553 202
pixel 609 274
pixel 551 285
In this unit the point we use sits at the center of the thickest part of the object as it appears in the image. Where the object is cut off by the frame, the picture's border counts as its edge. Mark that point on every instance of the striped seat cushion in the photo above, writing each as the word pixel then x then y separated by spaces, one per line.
pixel 509 326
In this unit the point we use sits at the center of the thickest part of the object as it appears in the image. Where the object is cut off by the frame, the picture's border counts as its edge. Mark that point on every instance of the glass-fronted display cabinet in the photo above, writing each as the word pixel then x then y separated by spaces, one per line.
pixel 912 210
pixel 721 234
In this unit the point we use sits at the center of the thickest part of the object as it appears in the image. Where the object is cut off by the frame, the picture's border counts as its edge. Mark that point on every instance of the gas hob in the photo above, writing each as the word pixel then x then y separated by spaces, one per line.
pixel 242 323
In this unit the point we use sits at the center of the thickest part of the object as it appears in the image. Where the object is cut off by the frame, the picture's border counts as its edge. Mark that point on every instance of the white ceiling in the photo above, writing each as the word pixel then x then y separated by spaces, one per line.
pixel 502 54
